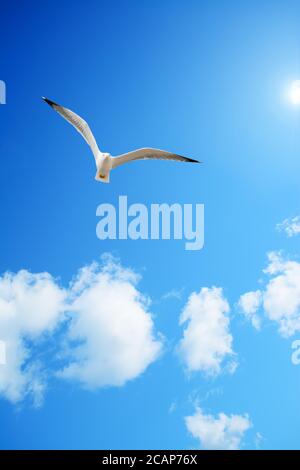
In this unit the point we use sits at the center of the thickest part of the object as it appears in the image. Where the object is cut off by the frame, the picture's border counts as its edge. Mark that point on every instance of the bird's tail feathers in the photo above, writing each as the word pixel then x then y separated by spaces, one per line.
pixel 102 178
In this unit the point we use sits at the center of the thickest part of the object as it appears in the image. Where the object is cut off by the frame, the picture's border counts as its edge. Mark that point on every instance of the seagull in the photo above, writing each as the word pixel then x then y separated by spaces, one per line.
pixel 104 161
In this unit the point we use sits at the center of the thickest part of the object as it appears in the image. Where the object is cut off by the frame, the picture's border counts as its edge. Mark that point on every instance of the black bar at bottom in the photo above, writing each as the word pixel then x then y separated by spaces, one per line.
pixel 137 458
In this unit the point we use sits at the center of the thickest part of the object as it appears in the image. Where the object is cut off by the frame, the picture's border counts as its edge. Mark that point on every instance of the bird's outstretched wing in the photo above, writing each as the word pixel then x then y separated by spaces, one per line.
pixel 147 153
pixel 80 125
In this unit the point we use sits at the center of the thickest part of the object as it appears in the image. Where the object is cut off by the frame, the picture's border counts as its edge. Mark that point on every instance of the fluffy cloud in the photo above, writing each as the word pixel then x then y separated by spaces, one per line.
pixel 108 328
pixel 173 294
pixel 207 340
pixel 31 305
pixel 249 303
pixel 290 226
pixel 280 298
pixel 110 336
pixel 221 432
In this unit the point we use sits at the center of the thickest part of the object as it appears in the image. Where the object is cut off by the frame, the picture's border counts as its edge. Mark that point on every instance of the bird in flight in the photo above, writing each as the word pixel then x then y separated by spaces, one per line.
pixel 104 161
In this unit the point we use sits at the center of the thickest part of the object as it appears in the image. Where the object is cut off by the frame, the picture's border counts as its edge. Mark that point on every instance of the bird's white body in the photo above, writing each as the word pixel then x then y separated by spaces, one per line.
pixel 104 161
pixel 104 166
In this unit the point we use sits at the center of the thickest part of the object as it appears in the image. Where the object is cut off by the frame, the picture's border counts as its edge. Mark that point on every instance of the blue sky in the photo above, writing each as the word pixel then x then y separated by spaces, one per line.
pixel 204 79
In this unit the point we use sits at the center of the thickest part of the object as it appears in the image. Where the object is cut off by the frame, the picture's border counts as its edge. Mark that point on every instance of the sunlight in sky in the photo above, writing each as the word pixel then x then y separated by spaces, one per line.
pixel 294 94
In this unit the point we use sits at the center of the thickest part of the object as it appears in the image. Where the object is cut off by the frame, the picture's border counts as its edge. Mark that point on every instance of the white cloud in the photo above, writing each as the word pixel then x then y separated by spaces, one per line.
pixel 207 340
pixel 258 440
pixel 221 432
pixel 173 294
pixel 249 303
pixel 109 331
pixel 111 334
pixel 280 298
pixel 172 407
pixel 290 226
pixel 31 305
pixel 2 353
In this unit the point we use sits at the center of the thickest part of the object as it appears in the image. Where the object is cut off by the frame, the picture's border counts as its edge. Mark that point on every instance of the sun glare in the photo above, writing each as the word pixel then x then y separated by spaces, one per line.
pixel 295 92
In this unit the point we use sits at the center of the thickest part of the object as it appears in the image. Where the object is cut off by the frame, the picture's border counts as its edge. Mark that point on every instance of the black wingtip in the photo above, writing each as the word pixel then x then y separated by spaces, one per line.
pixel 51 103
